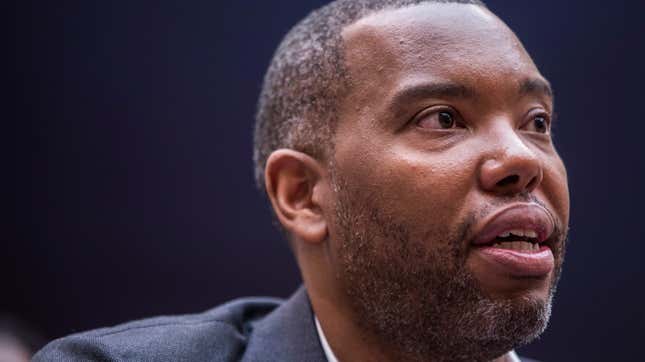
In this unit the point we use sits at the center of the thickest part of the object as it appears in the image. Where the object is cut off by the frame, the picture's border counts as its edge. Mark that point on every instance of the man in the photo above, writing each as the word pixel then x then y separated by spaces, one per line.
pixel 405 149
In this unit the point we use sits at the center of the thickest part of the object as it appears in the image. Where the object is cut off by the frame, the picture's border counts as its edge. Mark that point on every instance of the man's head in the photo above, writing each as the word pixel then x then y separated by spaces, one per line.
pixel 432 206
pixel 307 78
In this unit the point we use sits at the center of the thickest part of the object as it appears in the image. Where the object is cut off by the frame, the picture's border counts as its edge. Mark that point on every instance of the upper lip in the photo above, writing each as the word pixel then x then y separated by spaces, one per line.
pixel 526 216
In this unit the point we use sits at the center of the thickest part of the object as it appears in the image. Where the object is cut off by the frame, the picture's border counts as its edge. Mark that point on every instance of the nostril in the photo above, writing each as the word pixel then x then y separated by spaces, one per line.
pixel 532 183
pixel 508 180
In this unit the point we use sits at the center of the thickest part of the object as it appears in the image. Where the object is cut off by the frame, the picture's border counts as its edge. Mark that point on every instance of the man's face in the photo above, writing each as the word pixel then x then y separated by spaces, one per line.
pixel 451 201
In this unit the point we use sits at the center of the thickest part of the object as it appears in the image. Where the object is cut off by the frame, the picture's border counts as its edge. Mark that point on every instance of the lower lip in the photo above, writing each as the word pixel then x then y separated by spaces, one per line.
pixel 518 263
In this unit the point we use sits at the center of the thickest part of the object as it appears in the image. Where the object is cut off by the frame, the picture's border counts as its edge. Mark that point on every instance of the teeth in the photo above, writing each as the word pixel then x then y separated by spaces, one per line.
pixel 519 232
pixel 517 245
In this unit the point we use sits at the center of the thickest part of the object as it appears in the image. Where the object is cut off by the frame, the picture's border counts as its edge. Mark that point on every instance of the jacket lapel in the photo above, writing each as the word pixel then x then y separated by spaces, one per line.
pixel 286 334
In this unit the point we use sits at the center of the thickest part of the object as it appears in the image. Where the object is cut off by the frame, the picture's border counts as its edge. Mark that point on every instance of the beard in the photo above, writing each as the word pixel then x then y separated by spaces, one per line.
pixel 413 292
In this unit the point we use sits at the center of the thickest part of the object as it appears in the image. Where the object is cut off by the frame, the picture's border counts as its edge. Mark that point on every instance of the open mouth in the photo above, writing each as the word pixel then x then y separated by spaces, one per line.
pixel 517 240
pixel 520 228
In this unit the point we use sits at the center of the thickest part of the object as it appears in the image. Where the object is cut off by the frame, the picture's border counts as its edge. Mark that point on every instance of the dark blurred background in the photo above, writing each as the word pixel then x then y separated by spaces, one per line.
pixel 127 190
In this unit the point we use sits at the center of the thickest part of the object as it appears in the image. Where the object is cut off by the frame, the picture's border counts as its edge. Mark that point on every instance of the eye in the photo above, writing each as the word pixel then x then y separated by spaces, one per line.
pixel 538 123
pixel 437 119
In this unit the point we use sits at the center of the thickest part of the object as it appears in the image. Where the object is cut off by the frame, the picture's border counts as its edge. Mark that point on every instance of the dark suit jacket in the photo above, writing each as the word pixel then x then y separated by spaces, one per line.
pixel 250 329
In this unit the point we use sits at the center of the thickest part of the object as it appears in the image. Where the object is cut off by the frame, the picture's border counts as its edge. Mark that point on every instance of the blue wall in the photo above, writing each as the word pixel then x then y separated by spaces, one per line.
pixel 129 188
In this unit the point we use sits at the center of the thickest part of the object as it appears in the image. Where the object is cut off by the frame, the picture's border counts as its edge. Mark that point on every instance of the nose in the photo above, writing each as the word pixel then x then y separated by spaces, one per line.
pixel 510 167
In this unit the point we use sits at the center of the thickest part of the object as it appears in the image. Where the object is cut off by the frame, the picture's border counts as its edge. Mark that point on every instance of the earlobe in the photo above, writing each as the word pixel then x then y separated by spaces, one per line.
pixel 294 182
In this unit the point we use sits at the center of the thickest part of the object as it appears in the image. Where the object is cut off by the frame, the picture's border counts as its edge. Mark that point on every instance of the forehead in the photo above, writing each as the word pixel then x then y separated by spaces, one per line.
pixel 458 42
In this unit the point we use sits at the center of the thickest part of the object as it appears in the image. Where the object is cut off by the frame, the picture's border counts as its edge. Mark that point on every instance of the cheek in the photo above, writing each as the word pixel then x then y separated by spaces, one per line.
pixel 422 189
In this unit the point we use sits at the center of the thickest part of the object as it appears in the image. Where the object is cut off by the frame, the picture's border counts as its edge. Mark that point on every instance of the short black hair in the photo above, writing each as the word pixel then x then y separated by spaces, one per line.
pixel 307 77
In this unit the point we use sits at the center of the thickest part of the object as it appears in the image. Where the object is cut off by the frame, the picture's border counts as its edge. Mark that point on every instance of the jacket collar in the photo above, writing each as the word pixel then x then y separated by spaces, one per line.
pixel 286 334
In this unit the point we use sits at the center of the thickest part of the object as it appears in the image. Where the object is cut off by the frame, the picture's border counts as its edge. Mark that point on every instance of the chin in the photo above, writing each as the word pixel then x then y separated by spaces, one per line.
pixel 520 291
pixel 498 284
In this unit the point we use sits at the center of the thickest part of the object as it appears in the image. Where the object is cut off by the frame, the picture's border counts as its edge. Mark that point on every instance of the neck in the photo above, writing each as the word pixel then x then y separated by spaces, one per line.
pixel 345 338
pixel 332 308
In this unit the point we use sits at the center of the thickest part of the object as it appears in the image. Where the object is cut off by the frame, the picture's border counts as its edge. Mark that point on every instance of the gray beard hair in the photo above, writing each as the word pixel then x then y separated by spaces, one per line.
pixel 422 302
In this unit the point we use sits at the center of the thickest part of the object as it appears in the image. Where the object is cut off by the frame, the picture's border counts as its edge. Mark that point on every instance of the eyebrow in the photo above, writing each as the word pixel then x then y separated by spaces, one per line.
pixel 410 93
pixel 432 90
pixel 536 86
pixel 407 94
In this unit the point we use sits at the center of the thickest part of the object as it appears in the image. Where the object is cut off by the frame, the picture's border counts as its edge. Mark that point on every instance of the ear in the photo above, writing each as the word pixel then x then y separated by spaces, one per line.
pixel 295 185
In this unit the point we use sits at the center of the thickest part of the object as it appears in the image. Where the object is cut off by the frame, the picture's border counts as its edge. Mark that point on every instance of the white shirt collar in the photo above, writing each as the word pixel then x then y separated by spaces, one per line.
pixel 323 342
pixel 332 358
pixel 512 356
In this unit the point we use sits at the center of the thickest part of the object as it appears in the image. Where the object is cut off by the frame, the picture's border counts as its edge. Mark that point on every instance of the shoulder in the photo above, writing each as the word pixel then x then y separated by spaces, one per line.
pixel 219 334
